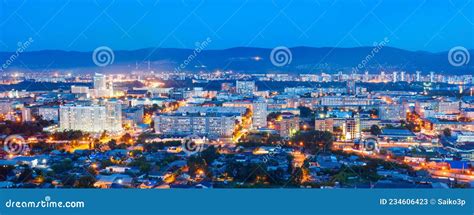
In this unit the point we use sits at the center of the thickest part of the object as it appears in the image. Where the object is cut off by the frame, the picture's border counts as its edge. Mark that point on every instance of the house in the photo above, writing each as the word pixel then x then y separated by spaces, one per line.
pixel 107 181
pixel 119 169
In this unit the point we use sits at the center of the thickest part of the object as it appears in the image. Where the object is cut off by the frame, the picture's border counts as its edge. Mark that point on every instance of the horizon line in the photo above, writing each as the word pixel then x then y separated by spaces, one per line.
pixel 235 47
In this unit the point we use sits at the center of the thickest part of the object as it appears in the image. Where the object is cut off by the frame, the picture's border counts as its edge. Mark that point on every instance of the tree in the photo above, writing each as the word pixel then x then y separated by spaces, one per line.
pixel 273 115
pixel 196 164
pixel 26 175
pixel 85 182
pixel 210 154
pixel 247 172
pixel 375 130
pixel 142 164
pixel 64 166
pixel 314 141
pixel 447 132
pixel 112 144
pixel 374 112
pixel 299 176
pixel 126 138
pixel 69 135
pixel 305 111
pixel 4 171
pixel 104 135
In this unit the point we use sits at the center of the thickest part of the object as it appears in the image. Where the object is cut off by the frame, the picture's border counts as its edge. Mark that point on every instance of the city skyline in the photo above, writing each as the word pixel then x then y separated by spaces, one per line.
pixel 240 106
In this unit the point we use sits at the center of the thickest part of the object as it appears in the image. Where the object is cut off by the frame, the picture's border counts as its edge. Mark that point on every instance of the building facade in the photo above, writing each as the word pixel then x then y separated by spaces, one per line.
pixel 92 118
pixel 211 125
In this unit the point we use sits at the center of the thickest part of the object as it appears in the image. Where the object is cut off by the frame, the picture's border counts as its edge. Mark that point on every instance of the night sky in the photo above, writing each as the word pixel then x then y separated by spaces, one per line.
pixel 433 26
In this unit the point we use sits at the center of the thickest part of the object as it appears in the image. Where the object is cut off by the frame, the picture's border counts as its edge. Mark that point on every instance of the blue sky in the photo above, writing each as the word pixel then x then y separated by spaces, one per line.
pixel 428 25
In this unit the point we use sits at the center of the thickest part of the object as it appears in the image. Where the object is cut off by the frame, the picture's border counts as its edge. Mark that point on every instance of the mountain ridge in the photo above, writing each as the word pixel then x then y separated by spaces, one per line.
pixel 304 59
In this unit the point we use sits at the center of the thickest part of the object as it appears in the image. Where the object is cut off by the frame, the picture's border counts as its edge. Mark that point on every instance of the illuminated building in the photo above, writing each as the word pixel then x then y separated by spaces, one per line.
pixel 210 125
pixel 287 124
pixel 324 124
pixel 246 87
pixel 6 107
pixel 344 101
pixel 113 111
pixel 91 118
pixel 350 87
pixel 26 115
pixel 402 76
pixel 259 114
pixel 49 113
pixel 391 112
pixel 80 90
pixel 102 88
pixel 134 114
pixel 449 106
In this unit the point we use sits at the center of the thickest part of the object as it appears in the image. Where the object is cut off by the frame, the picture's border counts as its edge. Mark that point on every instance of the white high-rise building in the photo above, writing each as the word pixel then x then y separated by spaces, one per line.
pixel 259 118
pixel 418 76
pixel 26 115
pixel 83 118
pixel 402 76
pixel 394 77
pixel 93 118
pixel 432 77
pixel 100 82
pixel 113 111
pixel 102 88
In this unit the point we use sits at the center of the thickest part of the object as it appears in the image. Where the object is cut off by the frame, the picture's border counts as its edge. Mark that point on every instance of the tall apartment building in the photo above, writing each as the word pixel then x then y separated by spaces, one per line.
pixel 259 113
pixel 26 115
pixel 113 112
pixel 102 88
pixel 92 118
pixel 246 87
pixel 418 76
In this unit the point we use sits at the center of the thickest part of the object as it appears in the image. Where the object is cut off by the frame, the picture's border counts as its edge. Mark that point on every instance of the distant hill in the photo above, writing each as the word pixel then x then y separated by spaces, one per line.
pixel 243 59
